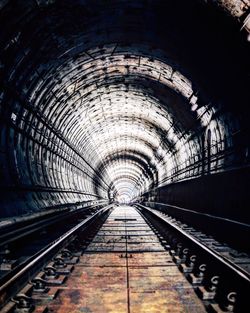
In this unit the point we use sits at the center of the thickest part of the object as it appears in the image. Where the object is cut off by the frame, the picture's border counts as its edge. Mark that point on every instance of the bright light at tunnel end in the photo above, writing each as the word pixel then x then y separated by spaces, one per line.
pixel 123 199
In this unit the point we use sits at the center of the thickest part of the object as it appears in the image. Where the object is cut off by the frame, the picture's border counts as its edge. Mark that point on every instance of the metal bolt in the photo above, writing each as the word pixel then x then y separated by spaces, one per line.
pixel 66 254
pixel 59 263
pixel 50 272
pixel 214 283
pixel 178 249
pixel 23 303
pixel 192 261
pixel 184 254
pixel 202 269
pixel 39 285
pixel 231 299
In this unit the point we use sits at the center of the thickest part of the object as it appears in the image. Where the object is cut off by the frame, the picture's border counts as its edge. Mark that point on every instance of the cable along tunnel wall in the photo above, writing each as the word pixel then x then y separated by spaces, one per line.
pixel 94 110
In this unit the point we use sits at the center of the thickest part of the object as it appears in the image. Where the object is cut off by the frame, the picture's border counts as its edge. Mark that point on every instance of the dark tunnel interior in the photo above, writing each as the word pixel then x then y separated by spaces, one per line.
pixel 124 101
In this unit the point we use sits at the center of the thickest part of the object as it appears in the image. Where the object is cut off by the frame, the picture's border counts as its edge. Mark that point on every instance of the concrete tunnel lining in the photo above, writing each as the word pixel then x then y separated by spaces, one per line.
pixel 85 81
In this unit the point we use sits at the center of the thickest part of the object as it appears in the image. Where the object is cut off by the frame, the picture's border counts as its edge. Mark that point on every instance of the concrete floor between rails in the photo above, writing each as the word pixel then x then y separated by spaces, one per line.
pixel 125 269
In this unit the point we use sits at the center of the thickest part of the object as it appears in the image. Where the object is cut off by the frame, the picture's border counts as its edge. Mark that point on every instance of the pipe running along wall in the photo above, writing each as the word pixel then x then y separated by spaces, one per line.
pixel 107 101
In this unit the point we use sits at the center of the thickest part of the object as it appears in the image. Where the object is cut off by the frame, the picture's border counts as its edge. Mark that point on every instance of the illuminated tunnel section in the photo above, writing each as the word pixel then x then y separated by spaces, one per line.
pixel 97 105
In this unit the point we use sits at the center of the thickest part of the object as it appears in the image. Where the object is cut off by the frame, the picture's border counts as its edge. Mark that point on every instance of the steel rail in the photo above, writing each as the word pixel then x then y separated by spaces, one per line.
pixel 226 262
pixel 29 268
pixel 23 231
pixel 216 217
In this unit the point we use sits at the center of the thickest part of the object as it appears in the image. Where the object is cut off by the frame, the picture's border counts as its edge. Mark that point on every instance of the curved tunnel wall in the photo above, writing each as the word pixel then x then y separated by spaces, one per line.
pixel 97 104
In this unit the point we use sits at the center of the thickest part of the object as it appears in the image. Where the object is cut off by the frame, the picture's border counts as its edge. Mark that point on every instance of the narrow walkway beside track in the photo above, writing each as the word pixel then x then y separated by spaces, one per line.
pixel 125 269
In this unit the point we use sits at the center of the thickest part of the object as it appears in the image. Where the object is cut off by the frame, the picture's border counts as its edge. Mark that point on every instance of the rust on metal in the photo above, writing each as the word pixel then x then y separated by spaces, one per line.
pixel 125 269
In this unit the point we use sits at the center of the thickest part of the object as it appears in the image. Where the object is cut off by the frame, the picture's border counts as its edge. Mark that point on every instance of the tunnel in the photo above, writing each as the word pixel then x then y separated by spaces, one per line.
pixel 126 102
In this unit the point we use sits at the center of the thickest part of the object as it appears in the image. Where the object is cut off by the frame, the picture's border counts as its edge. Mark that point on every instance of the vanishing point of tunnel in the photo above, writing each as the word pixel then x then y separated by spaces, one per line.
pixel 124 103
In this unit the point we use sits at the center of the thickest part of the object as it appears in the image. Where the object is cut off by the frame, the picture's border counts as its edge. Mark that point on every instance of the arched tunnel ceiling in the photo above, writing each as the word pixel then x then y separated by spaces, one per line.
pixel 109 100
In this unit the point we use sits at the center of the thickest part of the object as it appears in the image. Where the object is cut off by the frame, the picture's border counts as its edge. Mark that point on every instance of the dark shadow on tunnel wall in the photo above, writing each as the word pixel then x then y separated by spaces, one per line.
pixel 223 194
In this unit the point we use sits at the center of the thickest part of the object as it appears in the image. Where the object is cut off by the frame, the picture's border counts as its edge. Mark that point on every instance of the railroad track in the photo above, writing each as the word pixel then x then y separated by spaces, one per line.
pixel 234 233
pixel 219 274
pixel 21 239
pixel 128 259
pixel 239 258
pixel 20 275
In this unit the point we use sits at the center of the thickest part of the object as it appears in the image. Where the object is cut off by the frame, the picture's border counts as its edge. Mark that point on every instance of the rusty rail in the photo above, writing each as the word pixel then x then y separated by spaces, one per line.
pixel 13 231
pixel 229 276
pixel 17 278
